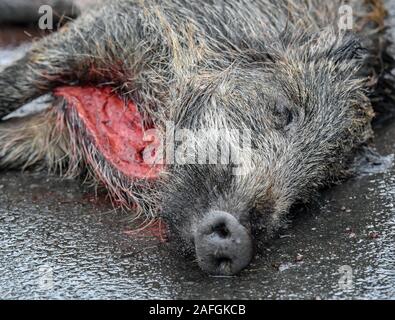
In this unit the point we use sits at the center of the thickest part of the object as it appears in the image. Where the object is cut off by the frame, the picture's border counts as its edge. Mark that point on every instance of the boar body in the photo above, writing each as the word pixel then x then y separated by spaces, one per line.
pixel 284 73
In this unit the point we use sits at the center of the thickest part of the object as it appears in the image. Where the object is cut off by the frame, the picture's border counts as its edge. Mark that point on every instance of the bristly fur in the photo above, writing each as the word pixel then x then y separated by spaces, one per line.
pixel 33 141
pixel 281 69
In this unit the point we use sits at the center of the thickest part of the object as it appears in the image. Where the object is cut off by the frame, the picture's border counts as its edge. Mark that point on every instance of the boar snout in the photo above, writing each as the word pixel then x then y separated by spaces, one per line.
pixel 223 245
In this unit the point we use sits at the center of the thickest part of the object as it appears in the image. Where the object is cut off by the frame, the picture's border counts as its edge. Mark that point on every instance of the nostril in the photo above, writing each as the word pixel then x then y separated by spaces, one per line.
pixel 222 261
pixel 224 266
pixel 221 230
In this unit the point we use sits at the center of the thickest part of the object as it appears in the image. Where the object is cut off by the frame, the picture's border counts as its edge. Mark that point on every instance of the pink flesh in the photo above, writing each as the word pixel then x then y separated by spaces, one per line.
pixel 115 127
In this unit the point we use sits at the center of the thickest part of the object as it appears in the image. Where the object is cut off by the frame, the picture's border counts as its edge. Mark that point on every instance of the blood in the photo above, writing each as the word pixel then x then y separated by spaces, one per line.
pixel 115 127
pixel 156 228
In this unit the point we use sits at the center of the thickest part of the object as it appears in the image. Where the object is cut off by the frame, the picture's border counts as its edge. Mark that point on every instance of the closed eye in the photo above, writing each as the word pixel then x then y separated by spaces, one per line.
pixel 290 117
pixel 284 116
